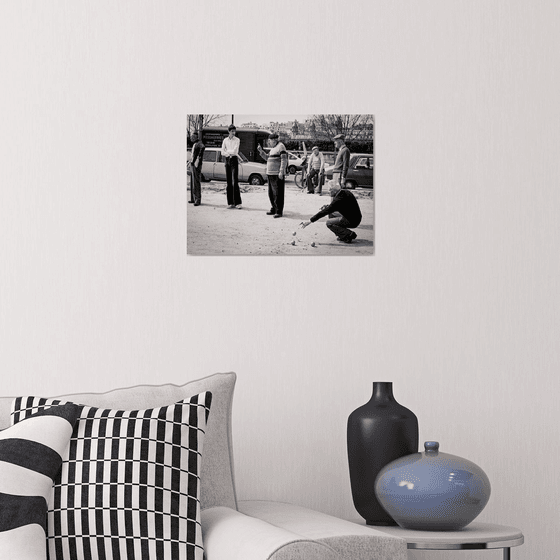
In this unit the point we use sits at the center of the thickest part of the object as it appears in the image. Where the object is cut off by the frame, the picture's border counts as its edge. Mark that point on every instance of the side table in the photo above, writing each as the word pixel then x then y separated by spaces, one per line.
pixel 474 536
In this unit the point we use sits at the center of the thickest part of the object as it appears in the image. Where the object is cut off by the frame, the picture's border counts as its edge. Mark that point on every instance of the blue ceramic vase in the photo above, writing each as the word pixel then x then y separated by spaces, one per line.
pixel 432 491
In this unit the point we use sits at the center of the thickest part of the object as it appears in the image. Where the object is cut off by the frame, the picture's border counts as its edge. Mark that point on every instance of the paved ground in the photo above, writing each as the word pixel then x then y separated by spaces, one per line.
pixel 213 229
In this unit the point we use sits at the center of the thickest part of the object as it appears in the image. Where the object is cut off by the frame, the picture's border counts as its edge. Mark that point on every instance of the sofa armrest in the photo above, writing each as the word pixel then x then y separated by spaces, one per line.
pixel 349 540
pixel 230 535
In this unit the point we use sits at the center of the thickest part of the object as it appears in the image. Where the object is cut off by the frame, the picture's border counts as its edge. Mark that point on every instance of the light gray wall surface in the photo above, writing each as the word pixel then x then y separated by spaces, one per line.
pixel 459 307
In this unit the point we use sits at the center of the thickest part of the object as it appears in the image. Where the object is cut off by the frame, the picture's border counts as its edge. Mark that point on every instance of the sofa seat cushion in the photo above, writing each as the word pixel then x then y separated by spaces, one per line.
pixel 129 484
pixel 231 535
pixel 349 540
pixel 30 458
pixel 217 485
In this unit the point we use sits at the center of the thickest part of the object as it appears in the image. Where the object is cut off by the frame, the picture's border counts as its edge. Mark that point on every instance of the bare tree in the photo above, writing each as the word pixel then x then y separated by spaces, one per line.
pixel 354 127
pixel 198 122
pixel 313 129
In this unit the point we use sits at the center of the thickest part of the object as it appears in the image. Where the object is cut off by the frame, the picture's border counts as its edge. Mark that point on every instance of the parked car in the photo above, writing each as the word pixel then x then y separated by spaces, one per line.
pixel 360 171
pixel 329 158
pixel 295 161
pixel 214 168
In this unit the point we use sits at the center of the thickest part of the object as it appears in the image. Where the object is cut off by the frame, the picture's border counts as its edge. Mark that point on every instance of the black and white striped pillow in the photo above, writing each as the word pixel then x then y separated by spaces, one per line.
pixel 30 458
pixel 129 486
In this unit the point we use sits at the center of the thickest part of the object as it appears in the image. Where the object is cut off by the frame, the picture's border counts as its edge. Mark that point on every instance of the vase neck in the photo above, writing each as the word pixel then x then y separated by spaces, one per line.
pixel 382 391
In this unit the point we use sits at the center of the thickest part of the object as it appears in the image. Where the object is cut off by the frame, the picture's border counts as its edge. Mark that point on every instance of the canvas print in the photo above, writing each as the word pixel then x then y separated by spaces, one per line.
pixel 280 184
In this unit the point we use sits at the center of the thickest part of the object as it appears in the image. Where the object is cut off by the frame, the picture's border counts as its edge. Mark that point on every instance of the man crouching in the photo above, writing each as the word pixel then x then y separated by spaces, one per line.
pixel 343 211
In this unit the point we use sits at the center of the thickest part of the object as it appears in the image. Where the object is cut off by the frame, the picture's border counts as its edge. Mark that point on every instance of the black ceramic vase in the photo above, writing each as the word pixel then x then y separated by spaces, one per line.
pixel 379 432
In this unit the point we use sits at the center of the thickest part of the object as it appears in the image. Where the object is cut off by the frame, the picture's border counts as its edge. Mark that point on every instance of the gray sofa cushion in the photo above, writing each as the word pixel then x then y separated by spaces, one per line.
pixel 217 479
pixel 230 535
pixel 348 540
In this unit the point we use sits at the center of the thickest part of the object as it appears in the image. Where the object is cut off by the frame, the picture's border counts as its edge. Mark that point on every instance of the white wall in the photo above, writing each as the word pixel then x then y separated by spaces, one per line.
pixel 459 306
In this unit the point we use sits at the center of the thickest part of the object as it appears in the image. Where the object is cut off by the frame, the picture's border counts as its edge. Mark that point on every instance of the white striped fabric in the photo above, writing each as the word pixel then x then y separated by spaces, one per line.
pixel 277 159
pixel 30 458
pixel 129 486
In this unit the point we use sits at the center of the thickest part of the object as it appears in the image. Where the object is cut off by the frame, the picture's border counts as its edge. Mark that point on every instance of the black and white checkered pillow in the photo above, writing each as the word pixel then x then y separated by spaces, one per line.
pixel 130 485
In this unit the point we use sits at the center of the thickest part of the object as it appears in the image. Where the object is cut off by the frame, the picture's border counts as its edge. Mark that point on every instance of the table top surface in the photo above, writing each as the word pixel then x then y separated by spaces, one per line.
pixel 474 535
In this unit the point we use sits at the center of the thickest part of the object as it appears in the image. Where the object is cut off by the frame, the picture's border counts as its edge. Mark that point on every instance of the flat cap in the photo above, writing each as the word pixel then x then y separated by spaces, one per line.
pixel 339 137
pixel 273 135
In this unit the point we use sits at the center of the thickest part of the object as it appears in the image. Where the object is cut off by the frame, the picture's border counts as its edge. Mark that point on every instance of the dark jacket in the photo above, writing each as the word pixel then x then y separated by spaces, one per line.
pixel 342 161
pixel 198 151
pixel 346 204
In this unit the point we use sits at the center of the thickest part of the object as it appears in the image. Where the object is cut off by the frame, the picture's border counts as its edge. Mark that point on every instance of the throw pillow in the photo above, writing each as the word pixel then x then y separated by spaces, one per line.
pixel 129 486
pixel 217 476
pixel 30 458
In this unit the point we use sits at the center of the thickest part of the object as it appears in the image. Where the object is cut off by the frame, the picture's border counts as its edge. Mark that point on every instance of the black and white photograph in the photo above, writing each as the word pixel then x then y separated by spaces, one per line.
pixel 249 177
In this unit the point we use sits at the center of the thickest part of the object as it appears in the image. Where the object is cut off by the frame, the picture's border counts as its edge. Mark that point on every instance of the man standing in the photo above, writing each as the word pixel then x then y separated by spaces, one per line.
pixel 276 163
pixel 196 168
pixel 230 151
pixel 342 162
pixel 344 212
pixel 315 168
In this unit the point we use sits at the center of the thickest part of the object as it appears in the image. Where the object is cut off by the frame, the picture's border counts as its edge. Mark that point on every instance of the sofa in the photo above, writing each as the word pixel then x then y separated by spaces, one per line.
pixel 127 485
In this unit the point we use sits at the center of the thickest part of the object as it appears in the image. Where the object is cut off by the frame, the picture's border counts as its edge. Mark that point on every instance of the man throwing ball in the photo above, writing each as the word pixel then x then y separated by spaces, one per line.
pixel 343 211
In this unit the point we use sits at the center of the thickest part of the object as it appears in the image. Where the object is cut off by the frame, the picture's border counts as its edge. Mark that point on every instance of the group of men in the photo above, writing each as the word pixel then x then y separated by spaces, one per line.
pixel 343 211
pixel 316 166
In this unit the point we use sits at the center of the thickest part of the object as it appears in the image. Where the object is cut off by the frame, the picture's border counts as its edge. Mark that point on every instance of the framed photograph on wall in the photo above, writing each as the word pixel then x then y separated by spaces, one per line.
pixel 280 184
